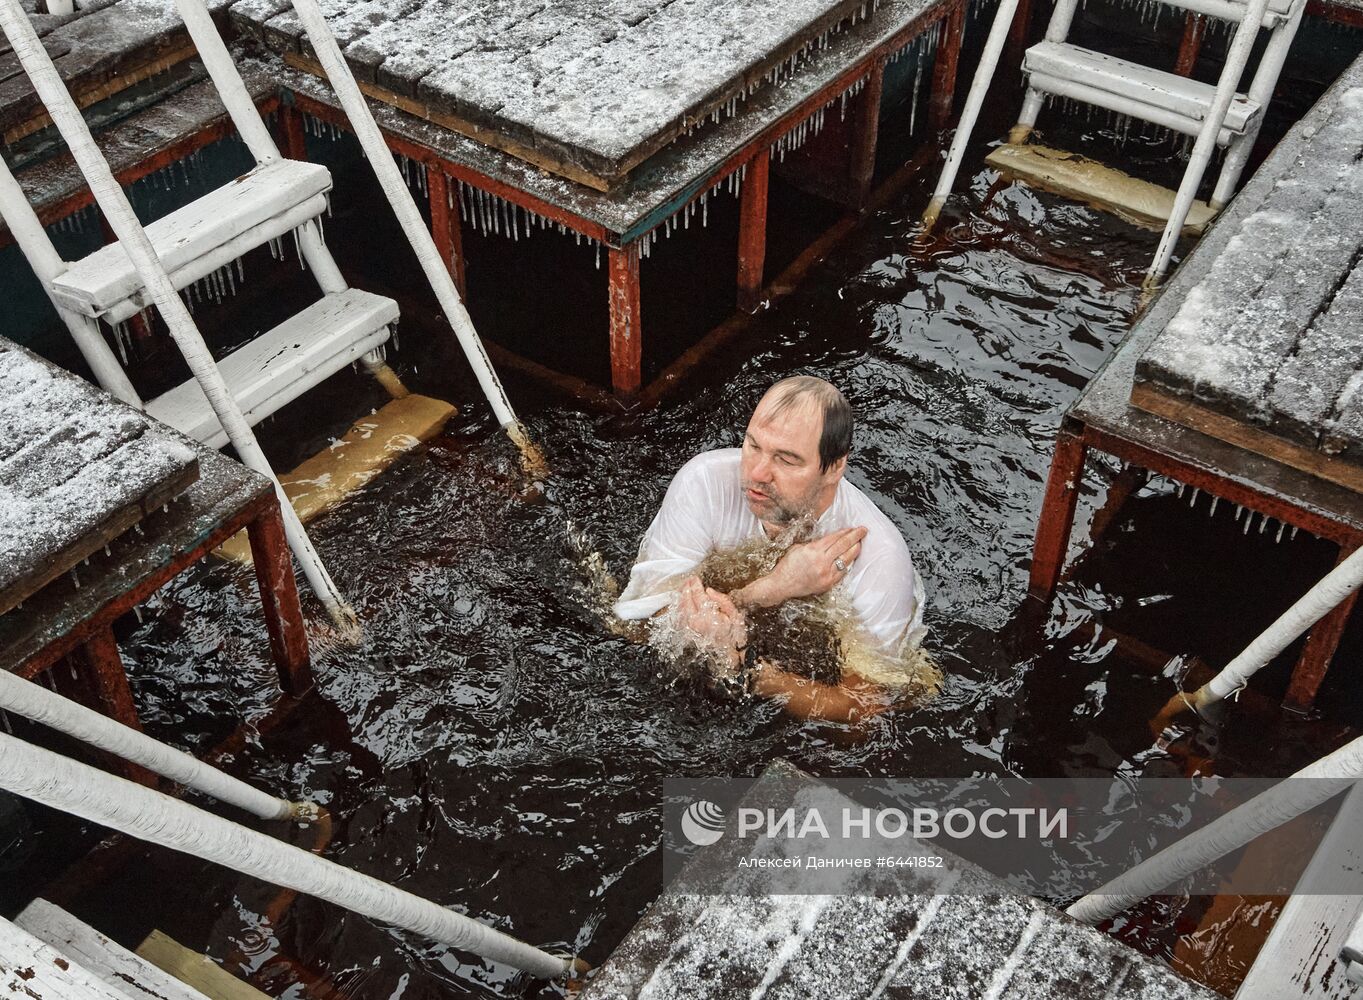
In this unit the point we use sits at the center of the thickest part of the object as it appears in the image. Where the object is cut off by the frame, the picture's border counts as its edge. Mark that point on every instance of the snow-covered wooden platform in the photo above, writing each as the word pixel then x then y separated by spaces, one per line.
pixel 583 89
pixel 981 941
pixel 1264 349
pixel 77 469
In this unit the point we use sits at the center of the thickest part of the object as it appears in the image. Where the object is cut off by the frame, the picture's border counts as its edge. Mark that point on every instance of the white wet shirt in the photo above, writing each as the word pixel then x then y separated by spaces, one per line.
pixel 705 510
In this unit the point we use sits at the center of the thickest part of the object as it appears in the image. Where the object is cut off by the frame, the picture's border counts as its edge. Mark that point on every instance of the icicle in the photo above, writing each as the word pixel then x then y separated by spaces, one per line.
pixel 1248 521
pixel 1294 534
pixel 1180 491
pixel 1263 523
pixel 1197 492
pixel 75 579
pixel 1215 501
pixel 137 610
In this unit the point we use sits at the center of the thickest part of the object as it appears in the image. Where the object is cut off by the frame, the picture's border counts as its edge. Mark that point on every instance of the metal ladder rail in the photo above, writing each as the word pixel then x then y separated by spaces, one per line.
pixel 113 202
pixel 156 818
pixel 48 265
pixel 37 704
pixel 222 70
pixel 1237 57
pixel 1290 798
pixel 399 196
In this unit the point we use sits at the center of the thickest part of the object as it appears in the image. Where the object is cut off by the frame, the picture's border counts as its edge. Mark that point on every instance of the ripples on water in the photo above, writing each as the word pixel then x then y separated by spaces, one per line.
pixel 492 747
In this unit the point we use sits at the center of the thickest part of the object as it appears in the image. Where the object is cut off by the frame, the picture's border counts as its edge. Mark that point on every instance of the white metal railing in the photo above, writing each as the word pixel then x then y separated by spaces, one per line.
pixel 148 815
pixel 37 704
pixel 1304 790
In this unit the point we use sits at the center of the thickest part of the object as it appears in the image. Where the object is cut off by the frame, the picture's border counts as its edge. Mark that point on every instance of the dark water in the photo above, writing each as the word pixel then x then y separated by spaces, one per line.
pixel 492 747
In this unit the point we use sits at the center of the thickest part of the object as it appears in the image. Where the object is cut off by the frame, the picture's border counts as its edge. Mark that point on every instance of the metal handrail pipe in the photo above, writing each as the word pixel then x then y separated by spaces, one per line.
pixel 136 811
pixel 1303 791
pixel 37 704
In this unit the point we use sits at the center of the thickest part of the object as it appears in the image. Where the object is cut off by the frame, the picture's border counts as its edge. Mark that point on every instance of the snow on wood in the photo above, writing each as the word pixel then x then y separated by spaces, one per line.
pixel 35 971
pixel 1270 334
pixel 77 468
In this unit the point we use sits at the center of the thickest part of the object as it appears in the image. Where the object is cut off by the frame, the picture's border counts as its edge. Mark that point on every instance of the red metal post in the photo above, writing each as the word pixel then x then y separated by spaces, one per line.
pixel 626 341
pixel 752 231
pixel 1321 643
pixel 1057 511
pixel 1020 31
pixel 1194 28
pixel 944 68
pixel 446 228
pixel 100 670
pixel 865 133
pixel 279 595
pixel 293 142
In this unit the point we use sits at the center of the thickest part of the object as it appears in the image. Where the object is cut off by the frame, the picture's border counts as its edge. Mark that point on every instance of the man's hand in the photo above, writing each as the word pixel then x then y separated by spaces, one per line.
pixel 713 617
pixel 806 569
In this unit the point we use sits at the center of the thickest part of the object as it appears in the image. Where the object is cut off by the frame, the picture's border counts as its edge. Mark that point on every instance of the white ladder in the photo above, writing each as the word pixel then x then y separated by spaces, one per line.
pixel 1216 116
pixel 150 265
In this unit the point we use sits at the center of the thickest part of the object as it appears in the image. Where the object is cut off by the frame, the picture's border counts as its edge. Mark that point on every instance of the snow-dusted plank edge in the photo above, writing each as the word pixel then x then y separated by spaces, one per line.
pixel 37 971
pixel 660 186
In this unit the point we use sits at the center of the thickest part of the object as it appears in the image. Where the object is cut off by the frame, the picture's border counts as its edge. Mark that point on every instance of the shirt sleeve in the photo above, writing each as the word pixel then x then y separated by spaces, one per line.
pixel 677 541
pixel 888 598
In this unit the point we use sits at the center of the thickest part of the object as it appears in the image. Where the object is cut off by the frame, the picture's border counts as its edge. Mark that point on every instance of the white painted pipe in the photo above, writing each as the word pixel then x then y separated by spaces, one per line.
pixel 1123 105
pixel 36 703
pixel 48 265
pixel 1057 30
pixel 133 238
pixel 979 89
pixel 1285 801
pixel 1236 58
pixel 400 198
pixel 1314 605
pixel 1261 90
pixel 131 809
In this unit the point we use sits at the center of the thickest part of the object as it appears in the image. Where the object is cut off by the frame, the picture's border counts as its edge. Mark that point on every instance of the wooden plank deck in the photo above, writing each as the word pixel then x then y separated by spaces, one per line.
pixel 1265 349
pixel 711 936
pixel 77 469
pixel 586 90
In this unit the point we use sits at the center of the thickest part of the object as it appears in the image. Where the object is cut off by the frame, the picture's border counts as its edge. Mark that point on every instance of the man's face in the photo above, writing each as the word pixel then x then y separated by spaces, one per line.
pixel 780 467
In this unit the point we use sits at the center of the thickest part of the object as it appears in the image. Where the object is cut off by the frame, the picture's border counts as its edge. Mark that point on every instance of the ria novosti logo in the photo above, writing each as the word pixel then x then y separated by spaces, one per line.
pixel 703 823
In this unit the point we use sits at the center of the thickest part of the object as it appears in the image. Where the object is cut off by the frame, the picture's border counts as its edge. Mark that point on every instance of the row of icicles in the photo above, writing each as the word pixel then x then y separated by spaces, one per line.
pixel 1124 127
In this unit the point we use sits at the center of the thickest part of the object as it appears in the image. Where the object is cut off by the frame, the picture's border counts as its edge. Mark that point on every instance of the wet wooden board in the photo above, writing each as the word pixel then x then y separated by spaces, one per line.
pixel 1265 349
pixel 99 51
pixel 705 937
pixel 584 89
pixel 77 469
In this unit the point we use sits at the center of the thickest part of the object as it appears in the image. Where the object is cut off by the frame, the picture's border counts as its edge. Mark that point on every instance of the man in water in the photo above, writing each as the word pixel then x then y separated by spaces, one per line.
pixel 786 484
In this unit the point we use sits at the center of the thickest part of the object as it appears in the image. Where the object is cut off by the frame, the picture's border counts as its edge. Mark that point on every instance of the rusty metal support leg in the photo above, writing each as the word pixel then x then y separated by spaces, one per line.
pixel 1194 29
pixel 1321 643
pixel 752 232
pixel 944 68
pixel 292 140
pixel 865 133
pixel 279 596
pixel 1020 31
pixel 626 342
pixel 1057 511
pixel 100 670
pixel 446 228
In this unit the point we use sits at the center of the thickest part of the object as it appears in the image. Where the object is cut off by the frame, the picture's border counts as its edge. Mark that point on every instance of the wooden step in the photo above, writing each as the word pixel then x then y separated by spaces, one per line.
pixel 202 236
pixel 372 444
pixel 31 969
pixel 1143 92
pixel 205 975
pixel 1081 179
pixel 123 971
pixel 282 364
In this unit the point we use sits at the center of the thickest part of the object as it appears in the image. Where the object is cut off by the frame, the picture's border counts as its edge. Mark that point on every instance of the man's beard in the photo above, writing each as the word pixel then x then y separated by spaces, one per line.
pixel 778 509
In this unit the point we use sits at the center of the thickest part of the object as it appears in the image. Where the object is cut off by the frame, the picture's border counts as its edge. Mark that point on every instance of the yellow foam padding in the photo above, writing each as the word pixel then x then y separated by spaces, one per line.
pixel 1104 187
pixel 195 970
pixel 369 447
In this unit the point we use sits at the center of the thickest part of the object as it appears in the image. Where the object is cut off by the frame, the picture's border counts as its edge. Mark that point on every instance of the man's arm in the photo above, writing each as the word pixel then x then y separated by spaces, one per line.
pixel 806 569
pixel 675 543
pixel 851 700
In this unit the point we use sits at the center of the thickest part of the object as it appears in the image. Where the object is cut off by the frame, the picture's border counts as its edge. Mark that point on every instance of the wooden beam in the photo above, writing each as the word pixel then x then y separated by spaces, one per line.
pixel 1321 643
pixel 861 166
pixel 1057 511
pixel 944 68
pixel 752 232
pixel 625 342
pixel 99 668
pixel 279 596
pixel 293 140
pixel 446 228
pixel 1194 30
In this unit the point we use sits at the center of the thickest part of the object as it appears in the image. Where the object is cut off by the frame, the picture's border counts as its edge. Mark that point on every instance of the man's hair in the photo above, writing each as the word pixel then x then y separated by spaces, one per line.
pixel 835 440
